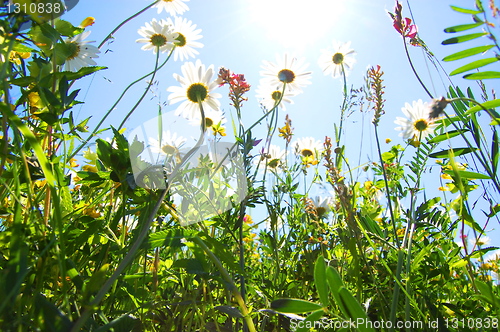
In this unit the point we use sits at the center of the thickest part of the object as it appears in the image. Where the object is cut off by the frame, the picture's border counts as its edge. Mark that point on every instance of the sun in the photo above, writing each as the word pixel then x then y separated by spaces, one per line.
pixel 296 23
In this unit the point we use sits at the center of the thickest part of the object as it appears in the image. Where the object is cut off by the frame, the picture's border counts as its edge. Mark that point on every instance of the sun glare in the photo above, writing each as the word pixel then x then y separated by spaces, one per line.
pixel 296 23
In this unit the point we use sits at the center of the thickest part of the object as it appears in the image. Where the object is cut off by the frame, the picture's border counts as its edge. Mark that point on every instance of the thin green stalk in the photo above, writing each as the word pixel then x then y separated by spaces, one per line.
pixel 112 108
pixel 145 91
pixel 414 70
pixel 125 22
pixel 344 105
pixel 386 182
pixel 230 282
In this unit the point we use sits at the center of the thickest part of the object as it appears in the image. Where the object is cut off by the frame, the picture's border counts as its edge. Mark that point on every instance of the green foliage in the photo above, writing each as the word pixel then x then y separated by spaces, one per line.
pixel 84 247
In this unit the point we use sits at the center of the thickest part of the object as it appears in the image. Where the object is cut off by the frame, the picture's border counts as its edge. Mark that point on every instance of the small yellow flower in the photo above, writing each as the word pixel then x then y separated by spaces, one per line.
pixel 17 56
pixel 89 168
pixel 72 163
pixel 87 22
pixel 35 101
pixel 91 212
pixel 248 219
pixel 40 183
pixel 444 189
pixel 388 140
pixel 219 130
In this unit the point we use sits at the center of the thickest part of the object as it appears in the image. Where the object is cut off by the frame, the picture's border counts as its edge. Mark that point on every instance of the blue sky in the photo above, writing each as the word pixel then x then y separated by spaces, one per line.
pixel 239 34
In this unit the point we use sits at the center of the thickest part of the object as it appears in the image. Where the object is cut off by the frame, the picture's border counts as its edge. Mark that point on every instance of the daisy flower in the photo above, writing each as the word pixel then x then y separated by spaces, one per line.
pixel 169 145
pixel 196 84
pixel 187 38
pixel 338 59
pixel 322 205
pixel 416 125
pixel 173 7
pixel 482 241
pixel 308 149
pixel 157 35
pixel 287 70
pixel 274 157
pixel 81 54
pixel 269 96
pixel 213 120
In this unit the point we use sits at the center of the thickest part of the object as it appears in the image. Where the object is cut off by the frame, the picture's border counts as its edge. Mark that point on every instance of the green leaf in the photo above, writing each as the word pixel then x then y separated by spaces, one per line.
pixel 487 104
pixel 484 75
pixel 79 74
pixel 97 279
pixel 467 53
pixel 191 265
pixel 67 29
pixel 294 306
pixel 32 139
pixel 308 323
pixel 480 252
pixel 493 210
pixel 49 315
pixel 463 27
pixel 473 65
pixel 466 11
pixel 445 136
pixel 468 175
pixel 463 38
pixel 495 144
pixel 23 81
pixel 354 310
pixel 231 311
pixel 335 282
pixel 456 152
pixel 320 280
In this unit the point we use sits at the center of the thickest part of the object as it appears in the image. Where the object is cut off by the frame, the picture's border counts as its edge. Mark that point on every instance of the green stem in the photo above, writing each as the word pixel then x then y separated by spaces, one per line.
pixel 232 287
pixel 125 22
pixel 145 91
pixel 414 70
pixel 112 108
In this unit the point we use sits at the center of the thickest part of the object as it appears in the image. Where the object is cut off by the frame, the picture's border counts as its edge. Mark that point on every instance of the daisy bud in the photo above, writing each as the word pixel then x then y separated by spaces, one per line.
pixel 437 107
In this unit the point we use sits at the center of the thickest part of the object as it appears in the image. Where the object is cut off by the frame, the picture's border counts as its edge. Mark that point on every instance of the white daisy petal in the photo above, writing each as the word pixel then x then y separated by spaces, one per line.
pixel 417 124
pixel 186 40
pixel 195 84
pixel 333 59
pixel 288 70
pixel 157 36
pixel 173 7
pixel 82 54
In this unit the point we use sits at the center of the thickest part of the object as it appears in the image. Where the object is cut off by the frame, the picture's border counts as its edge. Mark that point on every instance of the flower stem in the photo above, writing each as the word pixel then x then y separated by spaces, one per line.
pixel 145 91
pixel 125 22
pixel 414 70
pixel 232 287
pixel 112 108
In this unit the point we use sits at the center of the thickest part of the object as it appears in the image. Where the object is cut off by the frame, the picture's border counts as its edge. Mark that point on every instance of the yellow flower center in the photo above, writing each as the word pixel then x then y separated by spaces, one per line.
pixel 273 163
pixel 286 76
pixel 197 91
pixel 276 95
pixel 158 40
pixel 180 40
pixel 307 153
pixel 209 122
pixel 320 211
pixel 421 125
pixel 169 149
pixel 338 58
pixel 74 50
